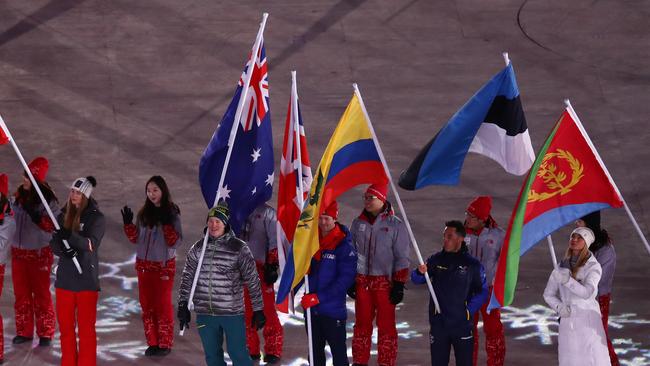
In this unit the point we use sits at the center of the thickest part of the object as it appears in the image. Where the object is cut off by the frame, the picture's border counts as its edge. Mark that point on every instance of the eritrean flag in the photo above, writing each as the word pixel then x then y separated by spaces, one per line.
pixel 350 159
pixel 567 181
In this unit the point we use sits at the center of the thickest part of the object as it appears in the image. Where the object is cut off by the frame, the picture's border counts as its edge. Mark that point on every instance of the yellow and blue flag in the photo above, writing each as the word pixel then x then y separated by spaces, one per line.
pixel 350 159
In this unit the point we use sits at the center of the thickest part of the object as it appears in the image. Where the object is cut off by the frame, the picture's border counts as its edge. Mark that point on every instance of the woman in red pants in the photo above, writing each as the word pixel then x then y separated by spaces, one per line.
pixel 157 233
pixel 82 226
pixel 31 257
pixel 7 228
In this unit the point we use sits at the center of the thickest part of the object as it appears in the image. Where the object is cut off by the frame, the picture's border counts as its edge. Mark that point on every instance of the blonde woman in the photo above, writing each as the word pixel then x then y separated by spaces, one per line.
pixel 571 291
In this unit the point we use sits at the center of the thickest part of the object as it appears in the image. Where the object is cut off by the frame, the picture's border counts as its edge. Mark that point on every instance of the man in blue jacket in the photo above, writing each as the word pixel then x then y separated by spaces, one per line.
pixel 459 282
pixel 332 272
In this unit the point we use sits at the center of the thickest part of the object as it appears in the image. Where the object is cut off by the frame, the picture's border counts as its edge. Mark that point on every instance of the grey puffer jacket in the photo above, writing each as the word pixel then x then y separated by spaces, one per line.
pixel 7 229
pixel 260 232
pixel 486 247
pixel 227 265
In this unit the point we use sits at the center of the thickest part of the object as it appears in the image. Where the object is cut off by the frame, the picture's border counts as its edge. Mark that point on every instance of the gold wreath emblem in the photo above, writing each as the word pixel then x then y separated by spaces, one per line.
pixel 554 178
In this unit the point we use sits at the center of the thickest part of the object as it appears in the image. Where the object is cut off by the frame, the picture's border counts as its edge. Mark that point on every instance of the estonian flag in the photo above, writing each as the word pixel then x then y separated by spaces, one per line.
pixel 491 123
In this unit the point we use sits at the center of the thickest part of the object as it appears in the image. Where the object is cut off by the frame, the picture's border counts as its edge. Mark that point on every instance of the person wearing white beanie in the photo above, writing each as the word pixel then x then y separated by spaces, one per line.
pixel 571 291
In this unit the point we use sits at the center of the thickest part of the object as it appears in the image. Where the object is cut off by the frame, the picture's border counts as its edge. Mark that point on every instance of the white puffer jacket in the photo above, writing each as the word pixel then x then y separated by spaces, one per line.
pixel 581 339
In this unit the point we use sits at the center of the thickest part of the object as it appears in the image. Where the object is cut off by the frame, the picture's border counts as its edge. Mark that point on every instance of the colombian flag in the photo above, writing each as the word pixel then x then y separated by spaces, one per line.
pixel 350 159
pixel 567 181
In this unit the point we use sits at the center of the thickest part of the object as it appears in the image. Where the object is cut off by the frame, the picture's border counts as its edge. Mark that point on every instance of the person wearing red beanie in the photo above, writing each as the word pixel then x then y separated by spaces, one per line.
pixel 7 229
pixel 331 273
pixel 383 247
pixel 31 257
pixel 484 240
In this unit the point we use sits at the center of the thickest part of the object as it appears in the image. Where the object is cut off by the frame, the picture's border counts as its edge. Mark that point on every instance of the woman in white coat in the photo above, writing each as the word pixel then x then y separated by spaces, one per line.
pixel 571 291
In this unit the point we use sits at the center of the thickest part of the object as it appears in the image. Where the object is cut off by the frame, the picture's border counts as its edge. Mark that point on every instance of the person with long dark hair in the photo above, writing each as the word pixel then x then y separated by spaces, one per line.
pixel 571 291
pixel 31 257
pixel 603 250
pixel 82 226
pixel 7 229
pixel 157 234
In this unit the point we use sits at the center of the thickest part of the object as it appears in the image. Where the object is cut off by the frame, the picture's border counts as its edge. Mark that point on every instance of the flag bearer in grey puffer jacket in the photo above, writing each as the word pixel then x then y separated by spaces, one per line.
pixel 218 300
pixel 157 235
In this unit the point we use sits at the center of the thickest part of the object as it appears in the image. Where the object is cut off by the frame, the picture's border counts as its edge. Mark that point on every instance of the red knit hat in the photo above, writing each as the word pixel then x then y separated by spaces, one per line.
pixel 332 210
pixel 480 207
pixel 379 190
pixel 4 184
pixel 39 167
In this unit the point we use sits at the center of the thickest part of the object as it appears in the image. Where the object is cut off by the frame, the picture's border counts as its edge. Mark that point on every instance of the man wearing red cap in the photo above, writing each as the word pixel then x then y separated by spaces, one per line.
pixel 31 257
pixel 383 248
pixel 331 273
pixel 484 240
pixel 7 228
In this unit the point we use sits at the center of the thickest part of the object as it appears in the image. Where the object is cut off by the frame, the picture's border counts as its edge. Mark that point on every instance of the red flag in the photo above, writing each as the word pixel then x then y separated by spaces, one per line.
pixel 3 136
pixel 567 181
pixel 289 183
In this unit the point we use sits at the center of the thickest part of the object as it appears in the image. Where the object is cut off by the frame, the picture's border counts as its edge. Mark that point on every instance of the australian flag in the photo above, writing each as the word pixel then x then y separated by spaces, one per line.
pixel 249 177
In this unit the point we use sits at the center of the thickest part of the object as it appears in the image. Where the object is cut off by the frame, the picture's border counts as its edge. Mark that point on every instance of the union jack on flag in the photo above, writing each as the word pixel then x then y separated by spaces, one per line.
pixel 256 105
pixel 289 190
pixel 248 181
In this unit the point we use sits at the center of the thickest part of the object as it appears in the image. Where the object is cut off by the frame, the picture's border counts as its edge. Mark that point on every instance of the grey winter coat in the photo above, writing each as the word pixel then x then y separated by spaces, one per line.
pixel 606 257
pixel 28 235
pixel 260 232
pixel 7 230
pixel 151 244
pixel 486 247
pixel 383 247
pixel 227 265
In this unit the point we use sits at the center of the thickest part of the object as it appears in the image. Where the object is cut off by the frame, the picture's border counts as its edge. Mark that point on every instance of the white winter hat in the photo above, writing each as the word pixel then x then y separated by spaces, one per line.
pixel 84 185
pixel 585 233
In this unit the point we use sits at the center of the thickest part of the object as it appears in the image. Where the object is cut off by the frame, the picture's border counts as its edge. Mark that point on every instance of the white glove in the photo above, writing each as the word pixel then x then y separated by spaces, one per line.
pixel 561 275
pixel 564 311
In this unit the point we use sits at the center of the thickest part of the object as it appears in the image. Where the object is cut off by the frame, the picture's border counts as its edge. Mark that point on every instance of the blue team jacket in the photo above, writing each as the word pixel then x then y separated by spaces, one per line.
pixel 459 283
pixel 332 275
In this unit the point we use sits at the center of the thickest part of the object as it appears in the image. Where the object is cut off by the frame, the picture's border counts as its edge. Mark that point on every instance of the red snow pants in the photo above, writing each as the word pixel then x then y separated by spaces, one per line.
pixel 603 301
pixel 155 284
pixel 272 331
pixel 372 301
pixel 2 331
pixel 77 310
pixel 30 272
pixel 495 342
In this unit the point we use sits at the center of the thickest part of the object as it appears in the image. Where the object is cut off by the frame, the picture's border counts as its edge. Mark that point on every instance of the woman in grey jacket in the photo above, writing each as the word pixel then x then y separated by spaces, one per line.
pixel 219 296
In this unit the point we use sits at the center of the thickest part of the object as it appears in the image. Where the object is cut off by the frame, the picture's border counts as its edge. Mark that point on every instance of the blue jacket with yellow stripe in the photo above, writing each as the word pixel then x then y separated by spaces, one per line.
pixel 459 282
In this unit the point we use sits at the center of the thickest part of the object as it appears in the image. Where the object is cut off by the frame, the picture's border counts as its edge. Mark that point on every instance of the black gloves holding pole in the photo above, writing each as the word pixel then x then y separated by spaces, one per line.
pixel 396 292
pixel 184 315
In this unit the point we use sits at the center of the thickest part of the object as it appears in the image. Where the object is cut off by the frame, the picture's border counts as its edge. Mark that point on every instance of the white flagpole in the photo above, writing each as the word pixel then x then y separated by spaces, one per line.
pixel 282 257
pixel 552 250
pixel 301 190
pixel 397 198
pixel 37 188
pixel 231 142
pixel 574 115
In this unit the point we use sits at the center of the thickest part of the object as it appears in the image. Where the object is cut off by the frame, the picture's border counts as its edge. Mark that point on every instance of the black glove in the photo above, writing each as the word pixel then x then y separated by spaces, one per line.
pixel 127 215
pixel 270 273
pixel 184 315
pixel 69 252
pixel 352 291
pixel 35 216
pixel 258 320
pixel 61 234
pixel 396 292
